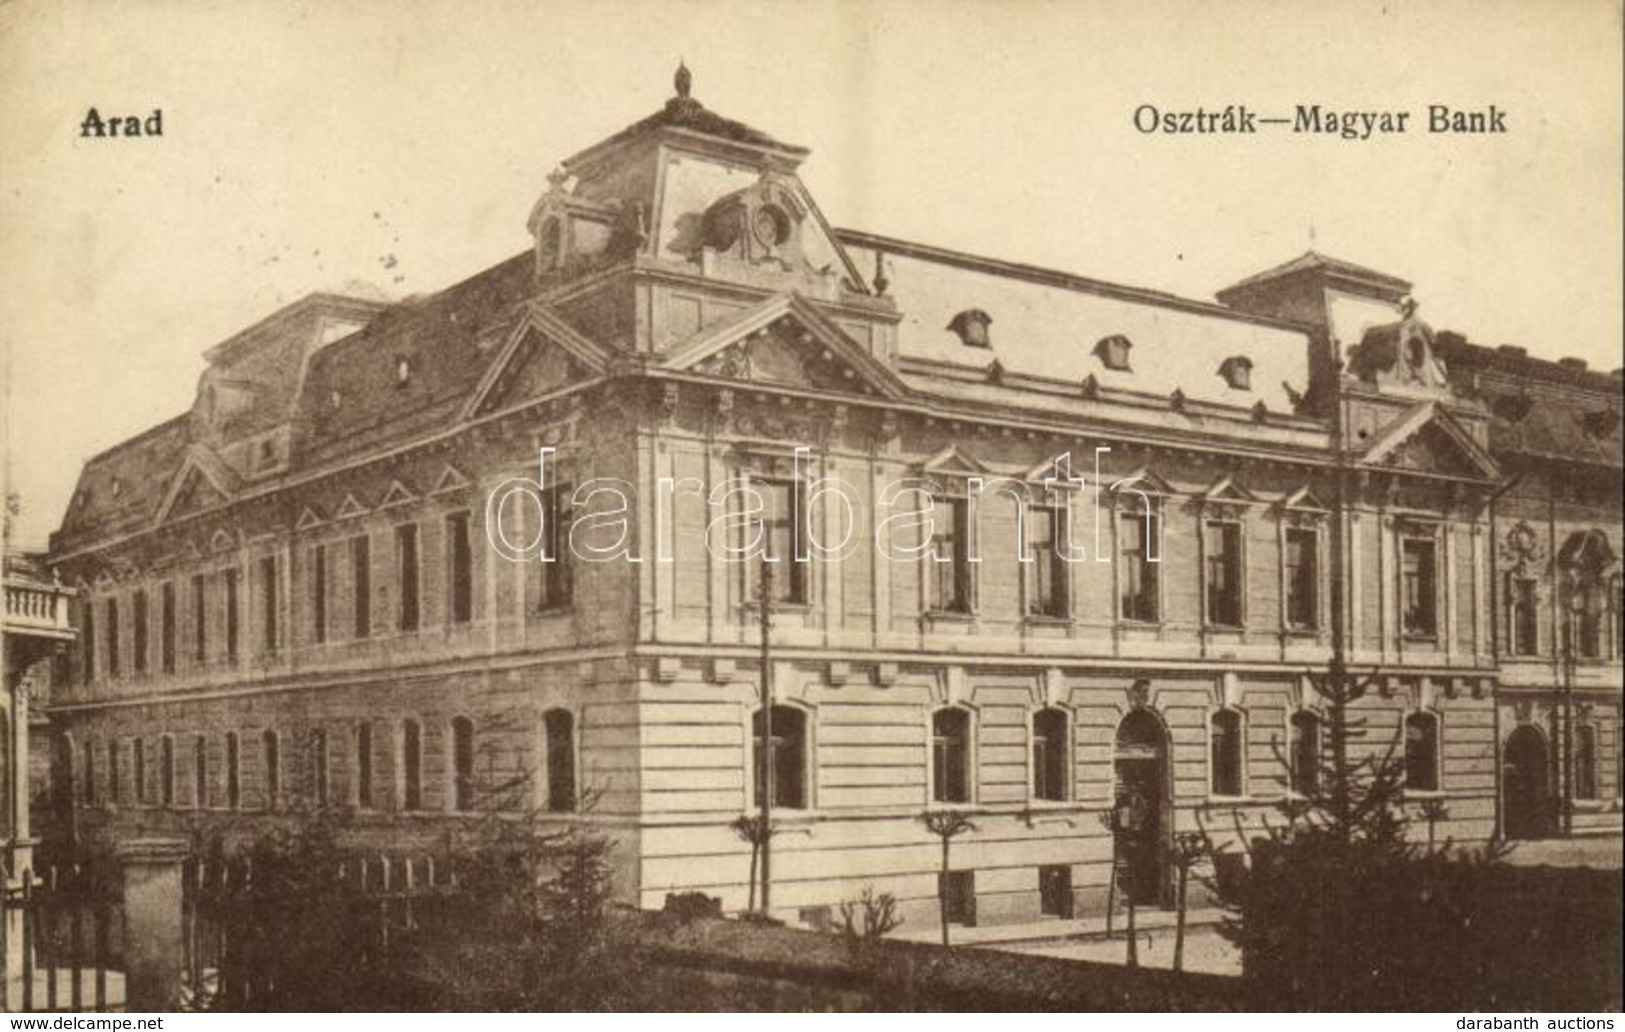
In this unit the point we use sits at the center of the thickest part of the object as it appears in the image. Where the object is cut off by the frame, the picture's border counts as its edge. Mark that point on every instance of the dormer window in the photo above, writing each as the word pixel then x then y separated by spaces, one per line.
pixel 1600 423
pixel 118 487
pixel 971 326
pixel 1237 372
pixel 1113 352
pixel 403 371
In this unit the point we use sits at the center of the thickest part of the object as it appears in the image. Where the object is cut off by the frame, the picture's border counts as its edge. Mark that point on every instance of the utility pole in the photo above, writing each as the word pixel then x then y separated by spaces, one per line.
pixel 764 787
pixel 1570 612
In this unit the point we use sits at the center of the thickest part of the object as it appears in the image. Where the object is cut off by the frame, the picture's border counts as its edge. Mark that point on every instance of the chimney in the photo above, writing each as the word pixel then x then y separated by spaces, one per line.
pixel 1512 351
pixel 1573 365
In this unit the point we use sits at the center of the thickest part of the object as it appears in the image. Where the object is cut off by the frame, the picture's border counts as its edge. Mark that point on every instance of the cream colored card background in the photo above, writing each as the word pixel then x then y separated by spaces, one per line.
pixel 311 146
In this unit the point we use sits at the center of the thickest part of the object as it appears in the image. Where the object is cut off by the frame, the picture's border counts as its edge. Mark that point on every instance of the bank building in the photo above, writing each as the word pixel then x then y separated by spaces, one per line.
pixel 288 596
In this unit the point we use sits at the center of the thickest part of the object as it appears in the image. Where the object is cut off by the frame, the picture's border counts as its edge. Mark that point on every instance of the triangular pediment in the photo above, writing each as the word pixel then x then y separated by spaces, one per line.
pixel 1305 498
pixel 222 542
pixel 201 483
pixel 1228 489
pixel 350 508
pixel 398 494
pixel 953 462
pixel 543 354
pixel 1429 440
pixel 1144 480
pixel 451 479
pixel 786 341
pixel 309 518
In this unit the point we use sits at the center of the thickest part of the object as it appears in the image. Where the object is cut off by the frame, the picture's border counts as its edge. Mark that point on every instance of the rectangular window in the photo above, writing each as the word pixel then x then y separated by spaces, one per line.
pixel 90 773
pixel 958 890
pixel 233 614
pixel 234 784
pixel 112 638
pixel 268 601
pixel 166 628
pixel 112 772
pixel 950 756
pixel 200 620
pixel 1137 573
pixel 1221 544
pixel 166 771
pixel 460 569
pixel 1419 584
pixel 1055 891
pixel 784 525
pixel 1302 579
pixel 318 594
pixel 950 555
pixel 87 645
pixel 1049 585
pixel 361 582
pixel 271 750
pixel 140 631
pixel 318 766
pixel 1522 616
pixel 406 576
pixel 138 770
pixel 200 772
pixel 363 766
pixel 412 765
pixel 1585 762
pixel 554 573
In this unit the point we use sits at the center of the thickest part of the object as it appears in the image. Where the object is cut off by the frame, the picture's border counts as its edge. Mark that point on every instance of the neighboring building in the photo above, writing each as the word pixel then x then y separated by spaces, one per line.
pixel 34 630
pixel 1555 432
pixel 290 596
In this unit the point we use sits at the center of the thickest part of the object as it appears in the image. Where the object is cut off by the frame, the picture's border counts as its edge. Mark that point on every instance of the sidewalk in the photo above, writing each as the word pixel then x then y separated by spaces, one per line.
pixel 1055 929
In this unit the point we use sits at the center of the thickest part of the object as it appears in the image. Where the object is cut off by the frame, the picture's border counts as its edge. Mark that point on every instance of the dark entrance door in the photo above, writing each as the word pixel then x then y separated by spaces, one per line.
pixel 1527 784
pixel 1141 762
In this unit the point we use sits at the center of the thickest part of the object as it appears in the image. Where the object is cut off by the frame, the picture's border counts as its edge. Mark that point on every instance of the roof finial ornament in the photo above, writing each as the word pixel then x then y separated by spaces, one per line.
pixel 683 80
pixel 1408 307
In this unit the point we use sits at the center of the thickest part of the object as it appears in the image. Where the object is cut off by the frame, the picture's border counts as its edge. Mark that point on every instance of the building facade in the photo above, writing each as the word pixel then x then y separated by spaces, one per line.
pixel 1040 545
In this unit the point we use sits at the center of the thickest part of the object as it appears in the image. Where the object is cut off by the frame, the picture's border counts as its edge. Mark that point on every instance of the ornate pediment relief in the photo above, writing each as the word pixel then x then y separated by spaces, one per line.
pixel 1428 440
pixel 544 354
pixel 1401 356
pixel 785 341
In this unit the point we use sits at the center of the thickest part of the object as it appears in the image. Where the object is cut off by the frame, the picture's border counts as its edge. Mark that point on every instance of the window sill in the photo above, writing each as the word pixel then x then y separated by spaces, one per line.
pixel 950 615
pixel 1301 632
pixel 1047 620
pixel 1215 799
pixel 1224 628
pixel 1413 638
pixel 1129 623
pixel 562 609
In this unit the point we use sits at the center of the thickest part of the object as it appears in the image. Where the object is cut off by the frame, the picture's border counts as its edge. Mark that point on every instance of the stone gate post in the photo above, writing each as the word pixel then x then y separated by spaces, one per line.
pixel 153 941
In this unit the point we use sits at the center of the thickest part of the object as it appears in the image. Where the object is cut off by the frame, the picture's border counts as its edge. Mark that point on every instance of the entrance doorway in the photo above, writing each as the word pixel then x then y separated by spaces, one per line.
pixel 1527 784
pixel 1145 824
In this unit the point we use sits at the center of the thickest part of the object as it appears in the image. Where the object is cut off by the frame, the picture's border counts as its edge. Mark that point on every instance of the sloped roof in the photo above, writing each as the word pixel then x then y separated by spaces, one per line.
pixel 1315 261
pixel 351 398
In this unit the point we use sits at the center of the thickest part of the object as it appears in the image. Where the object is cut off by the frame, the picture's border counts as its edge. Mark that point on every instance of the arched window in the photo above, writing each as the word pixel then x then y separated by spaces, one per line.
pixel 1226 744
pixel 1422 752
pixel 462 762
pixel 234 768
pixel 789 730
pixel 559 728
pixel 1050 752
pixel 1585 761
pixel 363 765
pixel 271 748
pixel 411 765
pixel 1305 754
pixel 950 756
pixel 200 772
pixel 166 771
pixel 1584 558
